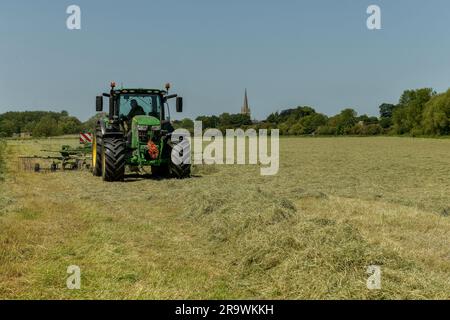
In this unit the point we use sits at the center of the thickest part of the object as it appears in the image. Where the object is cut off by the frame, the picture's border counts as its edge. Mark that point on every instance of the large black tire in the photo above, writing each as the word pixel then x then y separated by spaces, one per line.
pixel 182 171
pixel 161 171
pixel 178 171
pixel 113 158
pixel 97 156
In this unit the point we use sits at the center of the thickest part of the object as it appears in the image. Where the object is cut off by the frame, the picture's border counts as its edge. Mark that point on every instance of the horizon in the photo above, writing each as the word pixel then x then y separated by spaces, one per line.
pixel 308 53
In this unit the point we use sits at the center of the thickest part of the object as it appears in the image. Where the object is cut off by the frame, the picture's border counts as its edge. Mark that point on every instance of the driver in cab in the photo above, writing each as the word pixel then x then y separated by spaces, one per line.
pixel 136 110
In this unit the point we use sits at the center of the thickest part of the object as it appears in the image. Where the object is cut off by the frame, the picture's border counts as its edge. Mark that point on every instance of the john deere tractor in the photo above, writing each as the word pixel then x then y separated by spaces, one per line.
pixel 136 133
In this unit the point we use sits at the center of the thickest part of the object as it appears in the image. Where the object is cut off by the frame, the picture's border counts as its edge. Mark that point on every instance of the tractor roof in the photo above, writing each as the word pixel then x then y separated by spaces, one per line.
pixel 139 91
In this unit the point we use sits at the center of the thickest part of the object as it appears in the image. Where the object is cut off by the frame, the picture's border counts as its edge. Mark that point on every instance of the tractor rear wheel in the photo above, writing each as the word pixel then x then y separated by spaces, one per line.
pixel 97 157
pixel 113 159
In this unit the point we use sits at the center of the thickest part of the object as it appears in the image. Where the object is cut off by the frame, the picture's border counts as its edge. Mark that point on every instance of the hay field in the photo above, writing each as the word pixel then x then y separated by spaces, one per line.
pixel 337 206
pixel 2 158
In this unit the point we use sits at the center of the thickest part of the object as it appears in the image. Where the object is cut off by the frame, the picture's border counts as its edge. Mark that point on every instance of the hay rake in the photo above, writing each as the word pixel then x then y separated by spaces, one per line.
pixel 69 159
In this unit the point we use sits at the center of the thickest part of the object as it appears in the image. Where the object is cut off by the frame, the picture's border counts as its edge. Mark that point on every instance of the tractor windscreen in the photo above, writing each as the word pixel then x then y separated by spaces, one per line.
pixel 139 104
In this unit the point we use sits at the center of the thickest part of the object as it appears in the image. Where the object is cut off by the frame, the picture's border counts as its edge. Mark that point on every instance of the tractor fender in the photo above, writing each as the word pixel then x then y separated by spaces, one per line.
pixel 101 127
pixel 113 134
pixel 102 131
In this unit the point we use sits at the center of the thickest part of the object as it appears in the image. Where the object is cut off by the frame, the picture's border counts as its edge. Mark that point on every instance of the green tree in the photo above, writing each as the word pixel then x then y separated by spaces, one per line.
pixel 408 116
pixel 209 121
pixel 187 124
pixel 295 114
pixel 8 127
pixel 240 120
pixel 436 116
pixel 89 125
pixel 46 127
pixel 225 120
pixel 273 118
pixel 69 125
pixel 17 122
pixel 400 120
pixel 386 110
pixel 312 122
pixel 344 121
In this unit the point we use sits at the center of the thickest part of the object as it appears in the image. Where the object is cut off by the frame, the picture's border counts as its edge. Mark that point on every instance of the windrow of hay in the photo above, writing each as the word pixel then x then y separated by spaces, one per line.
pixel 264 238
pixel 2 159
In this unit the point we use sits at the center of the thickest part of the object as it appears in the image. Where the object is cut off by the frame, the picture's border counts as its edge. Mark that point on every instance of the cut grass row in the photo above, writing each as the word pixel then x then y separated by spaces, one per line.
pixel 2 158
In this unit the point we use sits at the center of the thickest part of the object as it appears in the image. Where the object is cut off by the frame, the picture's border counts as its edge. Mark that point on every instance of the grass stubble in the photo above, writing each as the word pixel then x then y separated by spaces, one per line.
pixel 337 206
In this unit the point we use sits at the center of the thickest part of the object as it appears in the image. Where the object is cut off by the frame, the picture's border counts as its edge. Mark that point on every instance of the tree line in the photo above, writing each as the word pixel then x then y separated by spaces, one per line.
pixel 420 112
pixel 42 123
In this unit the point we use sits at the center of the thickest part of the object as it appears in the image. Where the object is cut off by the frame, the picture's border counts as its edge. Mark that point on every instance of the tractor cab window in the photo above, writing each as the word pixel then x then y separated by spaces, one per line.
pixel 138 105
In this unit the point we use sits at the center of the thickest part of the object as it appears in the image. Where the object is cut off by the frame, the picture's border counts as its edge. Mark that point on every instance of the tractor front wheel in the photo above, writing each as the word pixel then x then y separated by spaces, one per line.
pixel 181 171
pixel 178 171
pixel 113 159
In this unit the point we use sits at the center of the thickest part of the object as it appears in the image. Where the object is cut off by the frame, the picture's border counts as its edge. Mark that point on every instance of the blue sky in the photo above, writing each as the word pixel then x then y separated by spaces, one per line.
pixel 287 53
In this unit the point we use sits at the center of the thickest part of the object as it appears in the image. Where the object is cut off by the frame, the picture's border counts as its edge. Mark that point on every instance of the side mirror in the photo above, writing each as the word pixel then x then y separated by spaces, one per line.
pixel 179 104
pixel 99 104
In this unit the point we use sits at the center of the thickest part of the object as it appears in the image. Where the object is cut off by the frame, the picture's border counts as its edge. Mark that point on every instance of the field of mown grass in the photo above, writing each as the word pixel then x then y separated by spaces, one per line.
pixel 2 157
pixel 337 206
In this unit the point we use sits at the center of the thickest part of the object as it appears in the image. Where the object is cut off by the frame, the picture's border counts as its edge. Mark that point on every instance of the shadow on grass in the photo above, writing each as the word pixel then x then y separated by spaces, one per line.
pixel 136 177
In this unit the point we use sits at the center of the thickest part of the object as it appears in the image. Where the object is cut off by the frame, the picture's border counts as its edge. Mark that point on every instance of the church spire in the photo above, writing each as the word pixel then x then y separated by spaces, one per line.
pixel 245 108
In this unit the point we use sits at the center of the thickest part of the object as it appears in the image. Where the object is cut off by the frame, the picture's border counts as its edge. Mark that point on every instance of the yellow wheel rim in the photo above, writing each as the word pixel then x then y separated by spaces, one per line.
pixel 103 163
pixel 94 153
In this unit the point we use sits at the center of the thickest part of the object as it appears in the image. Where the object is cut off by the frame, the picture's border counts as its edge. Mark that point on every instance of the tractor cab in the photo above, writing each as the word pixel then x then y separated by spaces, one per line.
pixel 139 112
pixel 139 104
pixel 125 104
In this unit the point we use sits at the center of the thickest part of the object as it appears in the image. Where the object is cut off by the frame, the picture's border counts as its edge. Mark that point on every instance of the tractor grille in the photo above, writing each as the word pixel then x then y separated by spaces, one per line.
pixel 143 134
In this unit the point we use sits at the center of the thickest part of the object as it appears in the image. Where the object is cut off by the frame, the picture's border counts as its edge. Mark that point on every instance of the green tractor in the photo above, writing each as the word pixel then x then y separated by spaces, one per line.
pixel 137 133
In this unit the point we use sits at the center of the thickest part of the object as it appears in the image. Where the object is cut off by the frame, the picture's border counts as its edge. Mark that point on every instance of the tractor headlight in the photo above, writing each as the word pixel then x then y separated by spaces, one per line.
pixel 142 128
